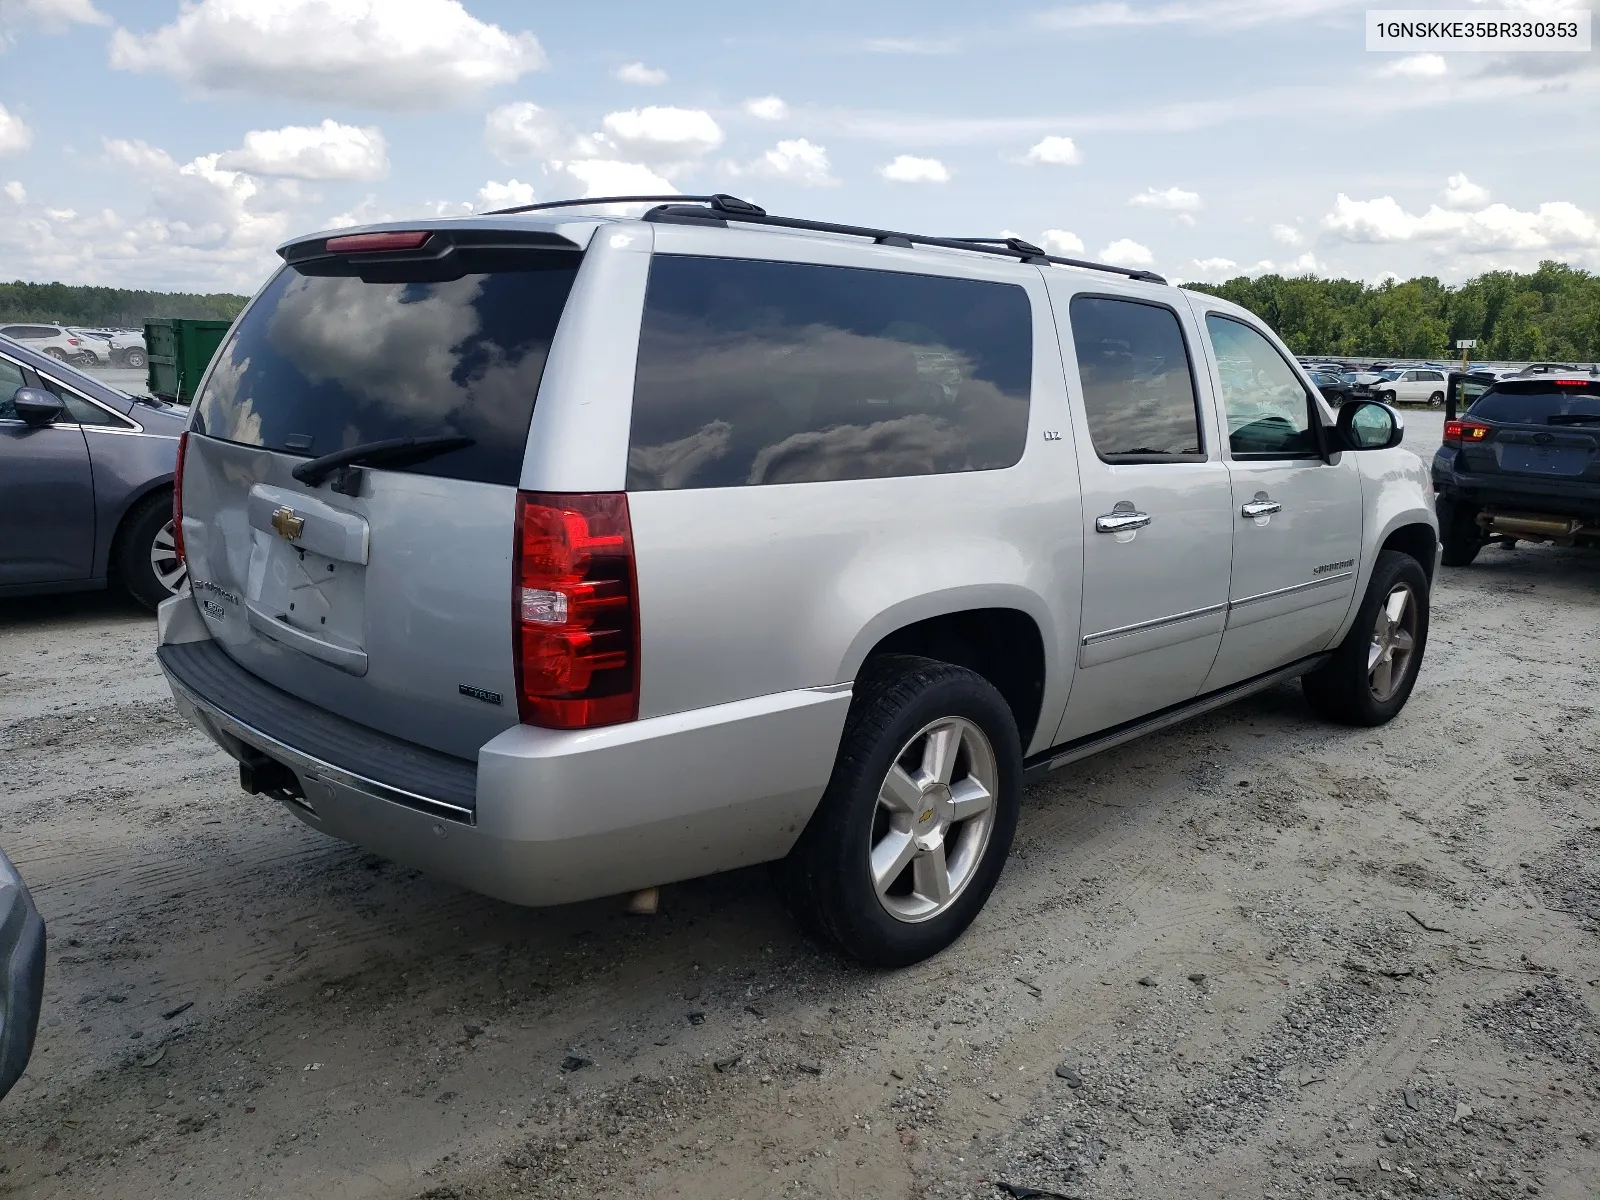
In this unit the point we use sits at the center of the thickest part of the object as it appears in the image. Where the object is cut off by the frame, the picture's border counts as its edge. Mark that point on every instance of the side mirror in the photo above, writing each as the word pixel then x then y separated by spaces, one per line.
pixel 37 406
pixel 1369 425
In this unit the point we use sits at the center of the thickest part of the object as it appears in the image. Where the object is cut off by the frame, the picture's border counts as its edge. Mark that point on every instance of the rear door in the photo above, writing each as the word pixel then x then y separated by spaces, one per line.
pixel 1543 434
pixel 1296 516
pixel 1156 506
pixel 46 494
pixel 384 593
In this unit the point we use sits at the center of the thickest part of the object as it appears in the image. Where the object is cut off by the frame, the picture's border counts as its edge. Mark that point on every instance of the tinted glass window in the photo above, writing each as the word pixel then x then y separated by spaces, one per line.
pixel 80 409
pixel 325 362
pixel 766 372
pixel 1138 388
pixel 1268 409
pixel 1540 405
pixel 10 380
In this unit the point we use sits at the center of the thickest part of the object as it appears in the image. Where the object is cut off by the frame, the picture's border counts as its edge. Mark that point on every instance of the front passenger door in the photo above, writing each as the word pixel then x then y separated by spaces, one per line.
pixel 46 495
pixel 1296 514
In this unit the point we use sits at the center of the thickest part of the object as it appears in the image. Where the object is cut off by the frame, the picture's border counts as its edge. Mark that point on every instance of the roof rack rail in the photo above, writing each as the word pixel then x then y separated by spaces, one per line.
pixel 720 209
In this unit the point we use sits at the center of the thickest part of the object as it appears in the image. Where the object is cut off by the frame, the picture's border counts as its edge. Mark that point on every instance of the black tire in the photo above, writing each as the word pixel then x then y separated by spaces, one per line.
pixel 1435 400
pixel 826 879
pixel 136 545
pixel 57 353
pixel 1343 690
pixel 133 359
pixel 1460 536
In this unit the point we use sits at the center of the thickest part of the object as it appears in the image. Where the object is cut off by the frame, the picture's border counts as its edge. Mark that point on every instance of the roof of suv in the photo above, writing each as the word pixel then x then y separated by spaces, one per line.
pixel 715 210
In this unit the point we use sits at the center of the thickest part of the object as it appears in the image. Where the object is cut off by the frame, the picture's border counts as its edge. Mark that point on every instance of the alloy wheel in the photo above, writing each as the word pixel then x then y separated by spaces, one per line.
pixel 936 811
pixel 1394 638
pixel 170 570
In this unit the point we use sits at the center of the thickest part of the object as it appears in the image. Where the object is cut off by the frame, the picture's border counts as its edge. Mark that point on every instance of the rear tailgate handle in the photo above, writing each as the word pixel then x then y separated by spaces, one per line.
pixel 351 662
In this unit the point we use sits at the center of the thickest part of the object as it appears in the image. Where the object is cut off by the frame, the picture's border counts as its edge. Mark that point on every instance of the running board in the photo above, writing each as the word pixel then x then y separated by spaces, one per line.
pixel 1039 765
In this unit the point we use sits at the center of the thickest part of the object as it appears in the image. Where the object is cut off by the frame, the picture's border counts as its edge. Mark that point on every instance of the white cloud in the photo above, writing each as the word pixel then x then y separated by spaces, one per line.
pixel 1062 242
pixel 662 134
pixel 1225 14
pixel 1054 151
pixel 907 168
pixel 1418 66
pixel 15 192
pixel 1214 270
pixel 15 136
pixel 322 152
pixel 766 108
pixel 52 16
pixel 795 161
pixel 504 195
pixel 637 72
pixel 1287 234
pixel 1125 252
pixel 521 130
pixel 1461 192
pixel 1172 199
pixel 393 54
pixel 1557 225
pixel 608 177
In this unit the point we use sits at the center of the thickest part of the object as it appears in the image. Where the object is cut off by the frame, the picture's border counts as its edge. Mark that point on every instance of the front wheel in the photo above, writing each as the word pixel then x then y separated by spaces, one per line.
pixel 914 828
pixel 1370 676
pixel 147 554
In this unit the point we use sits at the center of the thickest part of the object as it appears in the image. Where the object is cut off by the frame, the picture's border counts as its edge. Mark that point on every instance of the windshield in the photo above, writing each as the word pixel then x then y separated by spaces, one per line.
pixel 324 362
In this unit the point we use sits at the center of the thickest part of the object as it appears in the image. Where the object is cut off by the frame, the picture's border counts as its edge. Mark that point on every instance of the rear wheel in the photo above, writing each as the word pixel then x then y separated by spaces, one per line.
pixel 1435 400
pixel 1370 676
pixel 147 554
pixel 134 359
pixel 914 828
pixel 1459 534
pixel 57 353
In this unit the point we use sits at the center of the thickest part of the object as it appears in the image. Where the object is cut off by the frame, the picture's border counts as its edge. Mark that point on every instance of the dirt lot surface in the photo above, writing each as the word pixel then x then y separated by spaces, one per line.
pixel 1254 956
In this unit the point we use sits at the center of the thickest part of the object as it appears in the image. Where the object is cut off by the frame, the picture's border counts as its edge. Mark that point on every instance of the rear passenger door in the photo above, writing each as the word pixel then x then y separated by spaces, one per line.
pixel 1296 514
pixel 1157 525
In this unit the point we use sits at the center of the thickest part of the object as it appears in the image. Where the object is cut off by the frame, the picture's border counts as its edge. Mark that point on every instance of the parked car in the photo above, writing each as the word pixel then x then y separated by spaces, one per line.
pixel 1333 387
pixel 1416 385
pixel 85 482
pixel 1520 463
pixel 128 350
pixel 813 548
pixel 56 341
pixel 21 974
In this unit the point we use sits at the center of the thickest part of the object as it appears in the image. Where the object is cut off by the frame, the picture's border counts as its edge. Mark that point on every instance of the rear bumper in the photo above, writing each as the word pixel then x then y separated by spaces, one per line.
pixel 1558 498
pixel 21 974
pixel 554 815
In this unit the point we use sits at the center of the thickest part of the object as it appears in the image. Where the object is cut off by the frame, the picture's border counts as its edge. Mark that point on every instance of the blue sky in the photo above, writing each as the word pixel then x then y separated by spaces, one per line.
pixel 170 145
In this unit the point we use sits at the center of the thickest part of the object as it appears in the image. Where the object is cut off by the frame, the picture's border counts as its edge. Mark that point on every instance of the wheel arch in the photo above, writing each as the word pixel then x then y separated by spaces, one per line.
pixel 132 502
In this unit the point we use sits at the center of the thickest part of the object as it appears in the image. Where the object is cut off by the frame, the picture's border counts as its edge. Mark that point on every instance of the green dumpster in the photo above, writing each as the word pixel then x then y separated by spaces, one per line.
pixel 178 351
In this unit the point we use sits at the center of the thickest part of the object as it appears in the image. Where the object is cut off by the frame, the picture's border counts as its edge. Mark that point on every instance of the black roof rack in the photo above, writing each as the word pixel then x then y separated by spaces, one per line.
pixel 719 209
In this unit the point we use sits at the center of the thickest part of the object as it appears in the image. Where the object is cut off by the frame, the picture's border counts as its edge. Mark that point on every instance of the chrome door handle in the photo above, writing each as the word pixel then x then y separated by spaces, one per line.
pixel 1260 508
pixel 1121 522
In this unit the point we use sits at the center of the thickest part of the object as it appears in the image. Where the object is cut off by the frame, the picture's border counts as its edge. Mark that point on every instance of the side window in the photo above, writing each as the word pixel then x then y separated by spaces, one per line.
pixel 1268 409
pixel 768 372
pixel 10 380
pixel 1138 387
pixel 13 331
pixel 80 409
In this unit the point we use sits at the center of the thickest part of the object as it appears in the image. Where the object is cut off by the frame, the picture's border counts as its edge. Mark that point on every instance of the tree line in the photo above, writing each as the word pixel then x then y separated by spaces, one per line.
pixel 107 308
pixel 1552 313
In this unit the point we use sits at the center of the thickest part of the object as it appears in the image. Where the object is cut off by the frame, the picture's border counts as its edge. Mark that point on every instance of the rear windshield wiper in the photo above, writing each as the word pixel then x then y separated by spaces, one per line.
pixel 389 451
pixel 1572 418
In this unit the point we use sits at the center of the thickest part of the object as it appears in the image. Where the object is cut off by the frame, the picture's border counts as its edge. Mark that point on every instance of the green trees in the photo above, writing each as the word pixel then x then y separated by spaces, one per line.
pixel 111 308
pixel 1553 313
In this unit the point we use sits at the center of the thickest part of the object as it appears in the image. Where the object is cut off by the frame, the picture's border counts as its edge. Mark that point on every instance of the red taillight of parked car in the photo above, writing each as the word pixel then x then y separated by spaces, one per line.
pixel 1464 433
pixel 376 243
pixel 177 496
pixel 575 606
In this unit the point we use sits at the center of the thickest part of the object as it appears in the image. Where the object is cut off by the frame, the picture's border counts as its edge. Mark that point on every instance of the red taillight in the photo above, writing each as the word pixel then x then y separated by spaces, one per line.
pixel 575 612
pixel 177 495
pixel 1571 382
pixel 370 243
pixel 1460 433
pixel 74 342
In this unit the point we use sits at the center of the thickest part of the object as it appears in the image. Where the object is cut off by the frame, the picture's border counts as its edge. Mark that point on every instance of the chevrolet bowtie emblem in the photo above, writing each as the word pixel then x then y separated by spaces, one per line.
pixel 925 817
pixel 287 524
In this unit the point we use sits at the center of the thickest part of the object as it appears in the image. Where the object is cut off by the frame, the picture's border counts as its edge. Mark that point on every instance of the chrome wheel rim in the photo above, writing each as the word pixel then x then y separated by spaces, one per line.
pixel 170 570
pixel 1394 640
pixel 933 820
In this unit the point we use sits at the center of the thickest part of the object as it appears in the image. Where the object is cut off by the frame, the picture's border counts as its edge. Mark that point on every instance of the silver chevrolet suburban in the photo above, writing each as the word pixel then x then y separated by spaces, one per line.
pixel 562 553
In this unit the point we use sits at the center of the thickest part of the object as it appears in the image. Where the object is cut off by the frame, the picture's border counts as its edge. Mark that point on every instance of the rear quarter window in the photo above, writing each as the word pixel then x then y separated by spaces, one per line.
pixel 325 362
pixel 754 372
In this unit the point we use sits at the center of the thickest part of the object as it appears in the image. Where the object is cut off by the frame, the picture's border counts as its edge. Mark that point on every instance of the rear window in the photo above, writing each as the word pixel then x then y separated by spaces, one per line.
pixel 326 362
pixel 757 372
pixel 1538 404
pixel 1138 385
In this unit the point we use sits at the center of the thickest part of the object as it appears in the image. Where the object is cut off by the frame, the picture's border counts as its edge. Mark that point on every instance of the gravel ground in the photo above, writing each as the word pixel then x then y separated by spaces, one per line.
pixel 1252 956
